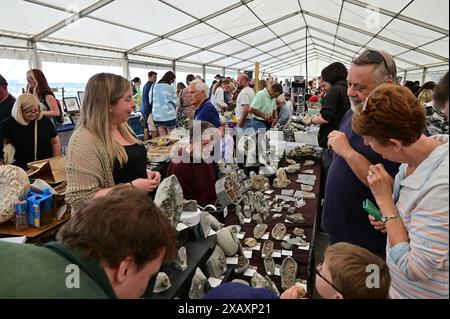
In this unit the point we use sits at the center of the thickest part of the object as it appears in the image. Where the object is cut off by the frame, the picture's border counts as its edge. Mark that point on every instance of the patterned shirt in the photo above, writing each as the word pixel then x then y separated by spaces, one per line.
pixel 437 123
pixel 419 268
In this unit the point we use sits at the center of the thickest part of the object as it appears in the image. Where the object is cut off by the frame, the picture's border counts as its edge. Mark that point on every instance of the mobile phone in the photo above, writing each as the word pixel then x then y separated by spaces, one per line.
pixel 372 209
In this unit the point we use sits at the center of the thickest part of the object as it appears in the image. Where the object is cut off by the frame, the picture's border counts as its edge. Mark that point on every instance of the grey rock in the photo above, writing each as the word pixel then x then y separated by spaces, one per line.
pixel 269 266
pixel 278 231
pixel 227 240
pixel 259 230
pixel 181 261
pixel 296 218
pixel 199 285
pixel 162 283
pixel 190 205
pixel 216 265
pixel 288 272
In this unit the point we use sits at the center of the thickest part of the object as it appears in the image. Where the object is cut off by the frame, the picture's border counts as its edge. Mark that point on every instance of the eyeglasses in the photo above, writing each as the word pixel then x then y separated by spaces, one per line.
pixel 318 273
pixel 31 111
pixel 378 58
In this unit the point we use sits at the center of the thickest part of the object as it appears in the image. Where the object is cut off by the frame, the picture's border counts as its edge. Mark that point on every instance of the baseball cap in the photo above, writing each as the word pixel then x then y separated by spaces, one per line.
pixel 2 80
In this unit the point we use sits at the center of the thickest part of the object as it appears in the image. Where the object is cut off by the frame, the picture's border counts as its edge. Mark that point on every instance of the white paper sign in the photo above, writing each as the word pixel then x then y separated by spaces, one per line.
pixel 286 237
pixel 305 247
pixel 248 253
pixel 256 247
pixel 276 254
pixel 250 271
pixel 247 220
pixel 232 260
pixel 277 271
pixel 240 235
pixel 265 236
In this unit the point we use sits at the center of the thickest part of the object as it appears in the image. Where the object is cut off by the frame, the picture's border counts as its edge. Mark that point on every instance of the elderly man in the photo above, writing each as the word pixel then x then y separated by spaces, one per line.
pixel 344 218
pixel 6 105
pixel 109 249
pixel 204 109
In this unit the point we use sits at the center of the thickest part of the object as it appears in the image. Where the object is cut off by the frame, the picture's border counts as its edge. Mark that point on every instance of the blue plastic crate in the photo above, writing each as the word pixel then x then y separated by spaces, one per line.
pixel 40 208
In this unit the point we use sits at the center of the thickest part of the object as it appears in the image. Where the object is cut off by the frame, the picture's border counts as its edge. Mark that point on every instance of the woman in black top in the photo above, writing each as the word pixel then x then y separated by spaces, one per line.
pixel 32 135
pixel 38 86
pixel 334 108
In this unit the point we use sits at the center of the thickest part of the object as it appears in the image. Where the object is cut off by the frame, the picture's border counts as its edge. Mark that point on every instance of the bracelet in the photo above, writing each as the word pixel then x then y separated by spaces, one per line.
pixel 384 219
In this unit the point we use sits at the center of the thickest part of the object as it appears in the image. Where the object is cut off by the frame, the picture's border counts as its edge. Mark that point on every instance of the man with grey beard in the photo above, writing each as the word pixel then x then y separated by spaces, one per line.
pixel 343 217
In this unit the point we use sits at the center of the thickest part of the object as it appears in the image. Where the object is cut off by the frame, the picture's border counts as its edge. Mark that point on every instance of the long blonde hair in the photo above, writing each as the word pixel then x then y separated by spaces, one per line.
pixel 104 90
pixel 23 103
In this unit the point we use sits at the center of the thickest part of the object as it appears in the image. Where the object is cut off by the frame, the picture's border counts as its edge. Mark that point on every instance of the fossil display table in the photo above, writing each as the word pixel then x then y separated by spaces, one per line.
pixel 310 214
pixel 198 253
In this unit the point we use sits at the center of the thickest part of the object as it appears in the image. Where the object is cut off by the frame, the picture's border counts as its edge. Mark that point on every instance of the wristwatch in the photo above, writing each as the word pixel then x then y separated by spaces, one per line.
pixel 386 218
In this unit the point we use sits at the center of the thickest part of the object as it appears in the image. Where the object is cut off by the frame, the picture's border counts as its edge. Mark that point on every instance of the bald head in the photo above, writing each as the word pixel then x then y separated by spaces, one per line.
pixel 242 80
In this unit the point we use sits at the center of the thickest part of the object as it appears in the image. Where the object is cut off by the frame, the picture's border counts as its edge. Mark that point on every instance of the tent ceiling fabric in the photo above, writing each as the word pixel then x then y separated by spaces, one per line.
pixel 233 34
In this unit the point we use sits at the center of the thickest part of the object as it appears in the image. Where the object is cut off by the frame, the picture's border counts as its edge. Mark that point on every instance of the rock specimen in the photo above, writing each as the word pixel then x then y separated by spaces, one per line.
pixel 181 260
pixel 278 231
pixel 227 240
pixel 14 182
pixel 169 197
pixel 267 249
pixel 269 266
pixel 259 230
pixel 199 285
pixel 162 283
pixel 216 265
pixel 288 272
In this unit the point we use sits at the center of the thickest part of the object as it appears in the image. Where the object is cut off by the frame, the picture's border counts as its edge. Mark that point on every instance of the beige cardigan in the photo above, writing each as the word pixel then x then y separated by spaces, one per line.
pixel 88 168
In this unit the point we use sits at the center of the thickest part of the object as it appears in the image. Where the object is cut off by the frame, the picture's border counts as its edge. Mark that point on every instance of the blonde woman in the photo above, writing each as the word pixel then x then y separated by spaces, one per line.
pixel 31 134
pixel 104 151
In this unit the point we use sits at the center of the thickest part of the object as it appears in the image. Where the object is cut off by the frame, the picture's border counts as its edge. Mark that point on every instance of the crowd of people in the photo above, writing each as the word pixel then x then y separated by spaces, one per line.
pixel 380 142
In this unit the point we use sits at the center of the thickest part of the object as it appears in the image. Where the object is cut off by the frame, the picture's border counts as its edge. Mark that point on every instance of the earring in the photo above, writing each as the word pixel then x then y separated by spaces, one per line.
pixel 395 149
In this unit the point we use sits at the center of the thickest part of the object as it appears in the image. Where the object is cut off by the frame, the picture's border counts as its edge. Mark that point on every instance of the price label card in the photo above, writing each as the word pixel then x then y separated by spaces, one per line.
pixel 247 220
pixel 304 247
pixel 286 237
pixel 276 254
pixel 265 236
pixel 250 271
pixel 286 252
pixel 256 247
pixel 277 270
pixel 240 235
pixel 248 253
pixel 232 260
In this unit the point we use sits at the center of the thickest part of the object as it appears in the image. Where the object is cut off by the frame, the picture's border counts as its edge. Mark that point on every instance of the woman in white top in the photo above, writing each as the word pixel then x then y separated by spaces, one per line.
pixel 218 95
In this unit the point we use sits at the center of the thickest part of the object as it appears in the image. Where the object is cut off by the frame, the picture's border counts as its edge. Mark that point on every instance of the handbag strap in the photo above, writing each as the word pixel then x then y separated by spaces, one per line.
pixel 35 138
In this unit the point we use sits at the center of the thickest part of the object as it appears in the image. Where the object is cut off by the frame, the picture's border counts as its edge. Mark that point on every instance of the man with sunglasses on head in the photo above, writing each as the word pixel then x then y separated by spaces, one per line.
pixel 343 216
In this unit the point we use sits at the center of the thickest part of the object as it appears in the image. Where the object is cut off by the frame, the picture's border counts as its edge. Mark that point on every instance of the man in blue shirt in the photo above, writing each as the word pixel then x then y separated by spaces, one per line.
pixel 204 109
pixel 146 107
pixel 346 188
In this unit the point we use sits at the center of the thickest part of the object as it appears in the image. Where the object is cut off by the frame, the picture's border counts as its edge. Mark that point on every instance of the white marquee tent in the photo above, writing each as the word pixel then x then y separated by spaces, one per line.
pixel 210 36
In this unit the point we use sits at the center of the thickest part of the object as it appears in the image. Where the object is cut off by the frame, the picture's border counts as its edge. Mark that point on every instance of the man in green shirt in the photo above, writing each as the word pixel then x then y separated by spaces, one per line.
pixel 263 107
pixel 109 249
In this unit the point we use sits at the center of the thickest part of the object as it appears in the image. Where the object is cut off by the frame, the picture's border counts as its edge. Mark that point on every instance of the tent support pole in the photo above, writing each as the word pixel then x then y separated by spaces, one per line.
pixel 126 66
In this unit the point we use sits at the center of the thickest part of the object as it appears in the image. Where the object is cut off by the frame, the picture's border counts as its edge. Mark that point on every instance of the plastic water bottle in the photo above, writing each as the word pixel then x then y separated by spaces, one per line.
pixel 21 214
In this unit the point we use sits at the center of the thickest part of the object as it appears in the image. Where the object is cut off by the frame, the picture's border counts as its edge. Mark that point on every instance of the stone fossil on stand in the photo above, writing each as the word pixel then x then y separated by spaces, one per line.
pixel 181 260
pixel 259 230
pixel 267 249
pixel 227 240
pixel 199 285
pixel 216 265
pixel 162 283
pixel 281 181
pixel 169 197
pixel 288 272
pixel 269 266
pixel 242 266
pixel 278 231
pixel 296 218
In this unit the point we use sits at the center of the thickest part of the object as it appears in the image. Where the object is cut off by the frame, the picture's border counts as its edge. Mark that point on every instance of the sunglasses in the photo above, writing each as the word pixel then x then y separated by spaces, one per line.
pixel 318 273
pixel 376 57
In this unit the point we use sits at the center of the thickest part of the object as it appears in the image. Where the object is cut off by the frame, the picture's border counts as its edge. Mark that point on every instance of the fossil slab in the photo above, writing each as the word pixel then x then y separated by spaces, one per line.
pixel 306 188
pixel 288 272
pixel 247 211
pixel 278 231
pixel 242 266
pixel 271 285
pixel 293 168
pixel 250 242
pixel 258 281
pixel 162 283
pixel 181 260
pixel 216 264
pixel 299 232
pixel 14 182
pixel 190 205
pixel 259 230
pixel 199 285
pixel 257 218
pixel 169 197
pixel 267 249
pixel 286 245
pixel 269 266
pixel 227 240
pixel 296 218
pixel 281 181
pixel 260 183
